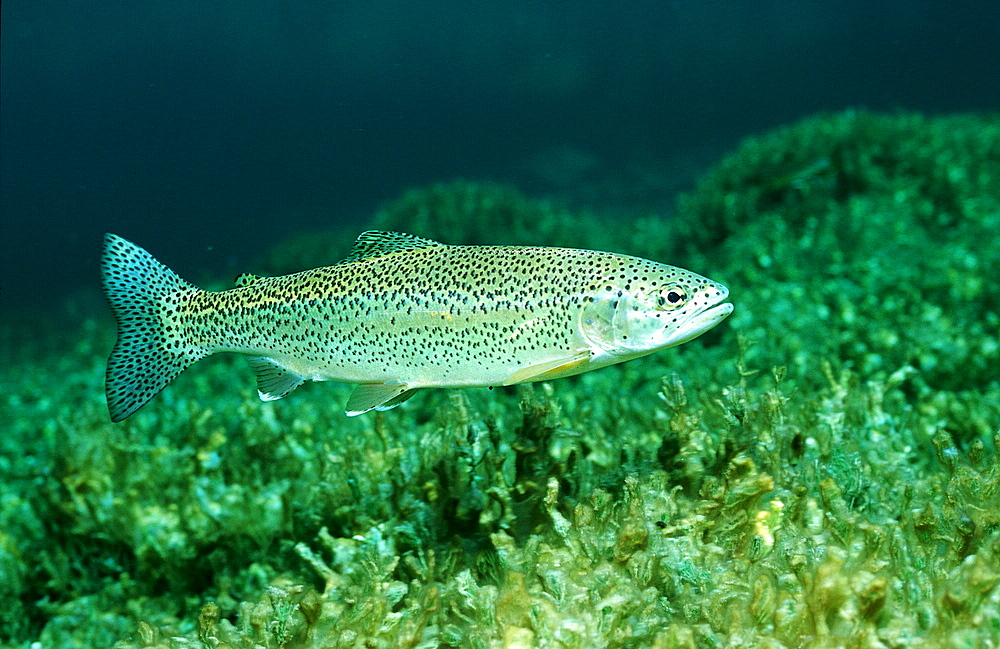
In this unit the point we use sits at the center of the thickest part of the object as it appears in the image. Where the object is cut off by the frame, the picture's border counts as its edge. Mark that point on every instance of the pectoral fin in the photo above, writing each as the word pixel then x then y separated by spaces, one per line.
pixel 377 396
pixel 552 369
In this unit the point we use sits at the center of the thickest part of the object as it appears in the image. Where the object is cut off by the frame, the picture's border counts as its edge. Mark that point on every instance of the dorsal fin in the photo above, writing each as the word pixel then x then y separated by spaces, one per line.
pixel 375 243
pixel 246 279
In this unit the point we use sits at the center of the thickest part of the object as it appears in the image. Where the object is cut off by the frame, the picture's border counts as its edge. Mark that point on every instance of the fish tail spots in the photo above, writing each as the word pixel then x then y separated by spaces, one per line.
pixel 148 354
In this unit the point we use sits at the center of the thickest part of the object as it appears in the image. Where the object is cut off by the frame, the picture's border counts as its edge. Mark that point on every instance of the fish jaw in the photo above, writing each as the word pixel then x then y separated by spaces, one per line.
pixel 699 323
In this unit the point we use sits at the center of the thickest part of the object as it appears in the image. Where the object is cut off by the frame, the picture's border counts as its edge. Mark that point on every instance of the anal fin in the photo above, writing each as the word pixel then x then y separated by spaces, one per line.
pixel 273 381
pixel 377 396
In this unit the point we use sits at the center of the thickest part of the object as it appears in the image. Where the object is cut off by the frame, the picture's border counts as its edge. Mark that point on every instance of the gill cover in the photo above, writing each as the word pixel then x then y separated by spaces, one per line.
pixel 619 321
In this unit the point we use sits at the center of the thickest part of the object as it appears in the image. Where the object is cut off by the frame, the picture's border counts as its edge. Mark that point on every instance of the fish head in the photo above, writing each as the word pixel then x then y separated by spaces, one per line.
pixel 651 308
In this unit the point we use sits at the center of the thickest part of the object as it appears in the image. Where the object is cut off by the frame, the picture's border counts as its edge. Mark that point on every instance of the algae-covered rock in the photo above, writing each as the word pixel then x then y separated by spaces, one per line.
pixel 944 169
pixel 864 238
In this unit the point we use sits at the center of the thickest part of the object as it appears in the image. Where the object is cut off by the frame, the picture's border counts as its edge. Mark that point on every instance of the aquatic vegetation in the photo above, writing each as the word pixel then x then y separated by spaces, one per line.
pixel 944 169
pixel 824 473
pixel 867 239
pixel 476 213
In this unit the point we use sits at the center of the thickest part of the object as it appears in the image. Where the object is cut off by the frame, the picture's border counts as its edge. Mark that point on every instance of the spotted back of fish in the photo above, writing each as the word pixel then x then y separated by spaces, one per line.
pixel 403 313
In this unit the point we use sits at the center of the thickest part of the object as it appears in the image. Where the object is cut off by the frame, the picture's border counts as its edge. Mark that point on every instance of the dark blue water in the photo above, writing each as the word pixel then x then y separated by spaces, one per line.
pixel 204 131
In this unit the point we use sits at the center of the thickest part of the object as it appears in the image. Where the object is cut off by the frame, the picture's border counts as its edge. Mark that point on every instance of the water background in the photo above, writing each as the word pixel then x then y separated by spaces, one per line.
pixel 206 131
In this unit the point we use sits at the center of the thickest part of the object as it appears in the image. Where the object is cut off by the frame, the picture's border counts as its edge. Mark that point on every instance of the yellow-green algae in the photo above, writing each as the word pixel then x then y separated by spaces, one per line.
pixel 821 473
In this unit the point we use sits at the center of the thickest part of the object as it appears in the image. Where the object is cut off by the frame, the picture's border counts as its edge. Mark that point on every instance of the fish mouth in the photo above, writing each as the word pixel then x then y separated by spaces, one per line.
pixel 701 322
pixel 711 316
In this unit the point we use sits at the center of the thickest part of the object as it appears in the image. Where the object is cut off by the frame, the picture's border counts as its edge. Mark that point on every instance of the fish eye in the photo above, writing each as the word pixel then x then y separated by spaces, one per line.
pixel 671 297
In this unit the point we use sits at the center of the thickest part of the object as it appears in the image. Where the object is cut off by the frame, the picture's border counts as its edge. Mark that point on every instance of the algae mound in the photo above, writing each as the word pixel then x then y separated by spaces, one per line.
pixel 821 471
pixel 865 238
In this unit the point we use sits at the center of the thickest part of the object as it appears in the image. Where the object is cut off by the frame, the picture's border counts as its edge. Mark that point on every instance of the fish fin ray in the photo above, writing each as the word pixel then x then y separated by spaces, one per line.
pixel 273 381
pixel 376 243
pixel 395 401
pixel 552 369
pixel 146 356
pixel 380 396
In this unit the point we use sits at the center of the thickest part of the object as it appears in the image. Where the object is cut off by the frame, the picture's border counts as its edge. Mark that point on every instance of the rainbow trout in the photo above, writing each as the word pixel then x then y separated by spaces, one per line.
pixel 399 314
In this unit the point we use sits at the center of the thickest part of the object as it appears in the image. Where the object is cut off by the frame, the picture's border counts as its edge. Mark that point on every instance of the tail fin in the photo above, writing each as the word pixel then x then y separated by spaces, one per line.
pixel 146 356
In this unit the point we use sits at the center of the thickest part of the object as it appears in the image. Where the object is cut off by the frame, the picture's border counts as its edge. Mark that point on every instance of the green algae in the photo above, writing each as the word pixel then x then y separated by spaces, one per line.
pixel 821 471
pixel 869 238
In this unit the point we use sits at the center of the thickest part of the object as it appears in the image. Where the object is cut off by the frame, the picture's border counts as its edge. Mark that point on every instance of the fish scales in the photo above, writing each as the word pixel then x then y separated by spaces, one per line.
pixel 502 306
pixel 403 313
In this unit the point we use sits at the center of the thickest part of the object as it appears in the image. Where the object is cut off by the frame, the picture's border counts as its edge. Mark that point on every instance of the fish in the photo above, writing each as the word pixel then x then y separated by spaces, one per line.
pixel 399 314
